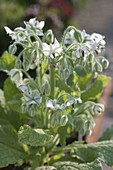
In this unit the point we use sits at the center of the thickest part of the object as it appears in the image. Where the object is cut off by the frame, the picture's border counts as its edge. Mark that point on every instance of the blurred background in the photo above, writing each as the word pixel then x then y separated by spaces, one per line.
pixel 91 15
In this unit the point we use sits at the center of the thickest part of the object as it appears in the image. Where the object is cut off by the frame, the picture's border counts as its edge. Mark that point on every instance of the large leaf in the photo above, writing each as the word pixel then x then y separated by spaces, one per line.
pixel 12 117
pixel 34 137
pixel 91 152
pixel 107 135
pixel 7 62
pixel 12 95
pixel 10 150
pixel 94 91
pixel 7 114
pixel 43 168
pixel 96 165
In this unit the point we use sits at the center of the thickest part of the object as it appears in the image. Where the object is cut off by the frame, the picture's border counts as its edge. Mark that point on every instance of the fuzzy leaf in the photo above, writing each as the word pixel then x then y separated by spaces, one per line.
pixel 43 168
pixel 96 165
pixel 7 62
pixel 90 152
pixel 62 134
pixel 12 117
pixel 12 95
pixel 34 137
pixel 94 91
pixel 10 150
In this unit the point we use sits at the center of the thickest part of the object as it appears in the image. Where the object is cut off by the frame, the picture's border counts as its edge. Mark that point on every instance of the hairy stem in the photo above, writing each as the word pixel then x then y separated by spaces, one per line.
pixel 52 81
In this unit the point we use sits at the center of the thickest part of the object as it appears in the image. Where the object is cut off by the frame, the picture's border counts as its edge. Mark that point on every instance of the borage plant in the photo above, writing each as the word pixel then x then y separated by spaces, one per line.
pixel 49 99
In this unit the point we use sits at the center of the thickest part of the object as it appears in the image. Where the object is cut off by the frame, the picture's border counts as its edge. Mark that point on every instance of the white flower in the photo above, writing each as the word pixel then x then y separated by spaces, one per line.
pixel 83 50
pixel 18 34
pixel 71 36
pixel 97 38
pixel 49 104
pixel 35 25
pixel 8 30
pixel 52 50
pixel 11 33
pixel 96 42
pixel 32 97
pixel 54 105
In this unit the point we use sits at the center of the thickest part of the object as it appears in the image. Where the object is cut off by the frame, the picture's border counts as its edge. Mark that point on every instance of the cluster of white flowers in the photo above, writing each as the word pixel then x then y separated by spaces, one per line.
pixel 55 105
pixel 87 44
pixel 20 34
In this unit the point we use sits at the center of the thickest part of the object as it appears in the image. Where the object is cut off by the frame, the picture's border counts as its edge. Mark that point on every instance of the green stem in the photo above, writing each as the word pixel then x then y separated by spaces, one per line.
pixel 53 144
pixel 40 72
pixel 66 31
pixel 30 78
pixel 52 81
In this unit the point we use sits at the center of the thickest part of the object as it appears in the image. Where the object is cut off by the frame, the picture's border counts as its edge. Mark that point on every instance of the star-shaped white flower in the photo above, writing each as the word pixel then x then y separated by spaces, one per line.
pixel 35 25
pixel 52 50
pixel 11 33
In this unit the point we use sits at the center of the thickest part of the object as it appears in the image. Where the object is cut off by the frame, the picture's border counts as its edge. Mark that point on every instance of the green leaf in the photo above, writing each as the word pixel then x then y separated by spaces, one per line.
pixel 105 79
pixel 43 168
pixel 84 81
pixel 94 91
pixel 63 86
pixel 96 165
pixel 107 135
pixel 13 117
pixel 10 150
pixel 34 137
pixel 62 134
pixel 12 95
pixel 7 62
pixel 73 79
pixel 83 78
pixel 90 152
